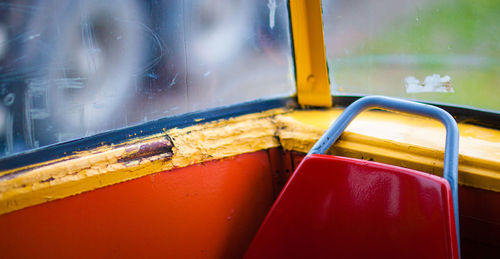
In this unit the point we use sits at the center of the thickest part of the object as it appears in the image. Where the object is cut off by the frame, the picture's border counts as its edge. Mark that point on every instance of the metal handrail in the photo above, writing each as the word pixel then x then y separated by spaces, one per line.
pixel 450 170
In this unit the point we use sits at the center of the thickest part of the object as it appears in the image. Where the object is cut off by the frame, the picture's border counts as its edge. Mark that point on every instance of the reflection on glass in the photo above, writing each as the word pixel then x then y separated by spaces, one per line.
pixel 70 69
pixel 444 50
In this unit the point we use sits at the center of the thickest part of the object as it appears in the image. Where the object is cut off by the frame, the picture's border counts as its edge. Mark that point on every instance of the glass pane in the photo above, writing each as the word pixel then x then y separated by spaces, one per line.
pixel 70 69
pixel 442 50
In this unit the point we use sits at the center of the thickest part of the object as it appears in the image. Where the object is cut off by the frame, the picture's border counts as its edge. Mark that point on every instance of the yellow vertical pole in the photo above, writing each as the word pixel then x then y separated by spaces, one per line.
pixel 313 87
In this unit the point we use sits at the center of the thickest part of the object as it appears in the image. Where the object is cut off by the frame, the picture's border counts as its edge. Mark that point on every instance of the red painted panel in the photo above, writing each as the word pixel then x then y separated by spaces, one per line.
pixel 281 162
pixel 480 204
pixel 479 220
pixel 349 208
pixel 206 210
pixel 297 158
pixel 479 223
pixel 137 217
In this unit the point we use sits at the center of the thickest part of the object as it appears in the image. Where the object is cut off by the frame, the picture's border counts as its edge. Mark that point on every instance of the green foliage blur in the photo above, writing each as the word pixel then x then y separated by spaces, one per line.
pixel 459 38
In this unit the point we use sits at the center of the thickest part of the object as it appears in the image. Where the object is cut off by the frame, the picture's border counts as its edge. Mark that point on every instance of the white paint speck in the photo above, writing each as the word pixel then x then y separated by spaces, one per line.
pixel 433 83
pixel 271 4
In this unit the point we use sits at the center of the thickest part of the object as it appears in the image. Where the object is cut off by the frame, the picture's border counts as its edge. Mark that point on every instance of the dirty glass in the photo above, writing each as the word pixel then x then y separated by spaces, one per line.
pixel 435 50
pixel 70 69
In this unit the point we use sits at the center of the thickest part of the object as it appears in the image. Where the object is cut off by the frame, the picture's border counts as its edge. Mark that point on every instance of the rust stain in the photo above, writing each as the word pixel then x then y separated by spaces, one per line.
pixel 108 165
pixel 156 147
pixel 292 130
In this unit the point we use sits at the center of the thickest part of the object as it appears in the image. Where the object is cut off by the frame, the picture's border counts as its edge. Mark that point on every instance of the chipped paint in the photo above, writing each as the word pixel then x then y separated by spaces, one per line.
pixel 407 141
pixel 399 139
pixel 152 148
pixel 109 165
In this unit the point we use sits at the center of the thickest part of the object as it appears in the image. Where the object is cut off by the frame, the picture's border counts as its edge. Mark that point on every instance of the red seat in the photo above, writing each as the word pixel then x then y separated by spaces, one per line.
pixel 335 207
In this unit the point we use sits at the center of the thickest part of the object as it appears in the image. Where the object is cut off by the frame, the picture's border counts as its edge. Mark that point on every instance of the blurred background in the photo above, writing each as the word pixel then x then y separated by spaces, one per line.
pixel 435 50
pixel 70 69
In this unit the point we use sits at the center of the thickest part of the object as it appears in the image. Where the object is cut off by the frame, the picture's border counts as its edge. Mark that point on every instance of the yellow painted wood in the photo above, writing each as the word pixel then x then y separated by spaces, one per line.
pixel 403 140
pixel 313 88
pixel 399 139
pixel 105 166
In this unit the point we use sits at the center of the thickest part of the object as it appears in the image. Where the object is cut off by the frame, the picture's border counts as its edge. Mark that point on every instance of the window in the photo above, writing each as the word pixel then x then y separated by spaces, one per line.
pixel 70 69
pixel 444 51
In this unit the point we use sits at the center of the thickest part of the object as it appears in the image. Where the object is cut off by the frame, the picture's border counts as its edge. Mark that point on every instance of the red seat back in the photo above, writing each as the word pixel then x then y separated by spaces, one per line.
pixel 339 207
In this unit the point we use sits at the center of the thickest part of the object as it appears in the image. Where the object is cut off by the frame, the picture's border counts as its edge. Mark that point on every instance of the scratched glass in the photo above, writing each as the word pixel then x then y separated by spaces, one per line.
pixel 70 69
pixel 442 50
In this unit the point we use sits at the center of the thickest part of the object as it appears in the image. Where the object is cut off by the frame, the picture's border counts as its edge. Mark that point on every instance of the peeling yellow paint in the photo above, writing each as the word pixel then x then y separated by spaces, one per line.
pixel 407 141
pixel 102 167
pixel 399 139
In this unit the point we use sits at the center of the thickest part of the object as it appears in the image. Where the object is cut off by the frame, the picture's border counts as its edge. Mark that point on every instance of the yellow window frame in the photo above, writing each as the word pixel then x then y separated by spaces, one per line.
pixel 313 86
